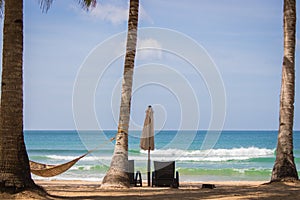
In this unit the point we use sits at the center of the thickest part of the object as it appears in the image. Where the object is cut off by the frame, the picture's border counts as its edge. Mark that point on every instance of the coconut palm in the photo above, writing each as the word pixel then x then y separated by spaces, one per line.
pixel 116 175
pixel 86 4
pixel 284 168
pixel 14 164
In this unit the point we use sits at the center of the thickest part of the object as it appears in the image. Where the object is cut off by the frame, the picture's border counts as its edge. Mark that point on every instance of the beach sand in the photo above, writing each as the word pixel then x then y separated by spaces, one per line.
pixel 224 190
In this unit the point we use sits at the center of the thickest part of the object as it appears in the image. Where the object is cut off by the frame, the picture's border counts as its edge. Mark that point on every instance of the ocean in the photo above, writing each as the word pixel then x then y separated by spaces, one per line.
pixel 235 156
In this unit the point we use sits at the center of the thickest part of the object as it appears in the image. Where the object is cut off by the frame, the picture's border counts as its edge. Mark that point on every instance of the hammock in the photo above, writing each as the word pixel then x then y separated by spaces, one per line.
pixel 44 170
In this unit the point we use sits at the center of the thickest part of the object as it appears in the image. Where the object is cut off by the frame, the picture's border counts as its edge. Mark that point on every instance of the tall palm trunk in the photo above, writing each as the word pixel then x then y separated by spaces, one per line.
pixel 14 165
pixel 284 168
pixel 116 175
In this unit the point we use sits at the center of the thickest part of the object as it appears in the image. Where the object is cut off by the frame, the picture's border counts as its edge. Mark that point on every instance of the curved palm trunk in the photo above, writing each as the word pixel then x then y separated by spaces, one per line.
pixel 14 165
pixel 117 173
pixel 284 168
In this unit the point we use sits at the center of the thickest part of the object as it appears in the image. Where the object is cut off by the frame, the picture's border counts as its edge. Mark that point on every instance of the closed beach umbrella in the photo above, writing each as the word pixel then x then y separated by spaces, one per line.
pixel 147 138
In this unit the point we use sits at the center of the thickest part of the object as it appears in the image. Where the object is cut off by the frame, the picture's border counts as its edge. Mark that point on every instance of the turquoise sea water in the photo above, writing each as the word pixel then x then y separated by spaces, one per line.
pixel 235 156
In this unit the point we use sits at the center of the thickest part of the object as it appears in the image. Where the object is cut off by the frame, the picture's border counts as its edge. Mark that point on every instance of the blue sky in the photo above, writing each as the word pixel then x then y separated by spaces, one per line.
pixel 243 39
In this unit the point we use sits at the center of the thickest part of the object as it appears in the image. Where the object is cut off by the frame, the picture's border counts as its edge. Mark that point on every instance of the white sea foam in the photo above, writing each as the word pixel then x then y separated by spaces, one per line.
pixel 212 154
pixel 87 158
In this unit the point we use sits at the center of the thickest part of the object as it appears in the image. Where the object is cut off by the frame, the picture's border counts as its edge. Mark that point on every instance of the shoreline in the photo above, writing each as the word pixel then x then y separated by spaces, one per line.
pixel 225 190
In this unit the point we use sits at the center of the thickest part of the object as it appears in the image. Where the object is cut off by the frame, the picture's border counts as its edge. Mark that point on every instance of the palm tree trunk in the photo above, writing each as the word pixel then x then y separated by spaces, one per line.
pixel 284 168
pixel 14 165
pixel 117 173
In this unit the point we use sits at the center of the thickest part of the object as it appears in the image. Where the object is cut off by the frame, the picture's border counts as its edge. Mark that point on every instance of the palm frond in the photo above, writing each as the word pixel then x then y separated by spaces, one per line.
pixel 45 4
pixel 87 4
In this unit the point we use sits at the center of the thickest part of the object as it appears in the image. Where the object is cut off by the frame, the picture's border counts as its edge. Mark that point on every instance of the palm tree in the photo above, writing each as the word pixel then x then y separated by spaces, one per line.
pixel 14 164
pixel 284 168
pixel 86 4
pixel 116 175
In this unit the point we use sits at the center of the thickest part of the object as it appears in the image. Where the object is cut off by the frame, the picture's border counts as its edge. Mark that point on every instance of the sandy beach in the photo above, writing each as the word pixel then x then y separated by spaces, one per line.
pixel 224 190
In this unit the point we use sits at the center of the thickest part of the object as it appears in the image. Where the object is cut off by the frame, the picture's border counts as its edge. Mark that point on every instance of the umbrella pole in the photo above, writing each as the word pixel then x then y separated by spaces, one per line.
pixel 148 168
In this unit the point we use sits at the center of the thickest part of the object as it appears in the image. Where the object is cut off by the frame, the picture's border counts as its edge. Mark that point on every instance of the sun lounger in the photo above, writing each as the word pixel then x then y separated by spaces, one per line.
pixel 163 176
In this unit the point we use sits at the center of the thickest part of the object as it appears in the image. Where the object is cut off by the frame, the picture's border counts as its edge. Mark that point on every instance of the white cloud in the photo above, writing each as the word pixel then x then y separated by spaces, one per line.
pixel 144 15
pixel 111 13
pixel 149 49
pixel 115 14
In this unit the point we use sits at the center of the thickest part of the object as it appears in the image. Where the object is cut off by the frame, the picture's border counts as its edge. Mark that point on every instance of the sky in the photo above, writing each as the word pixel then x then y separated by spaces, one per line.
pixel 234 86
